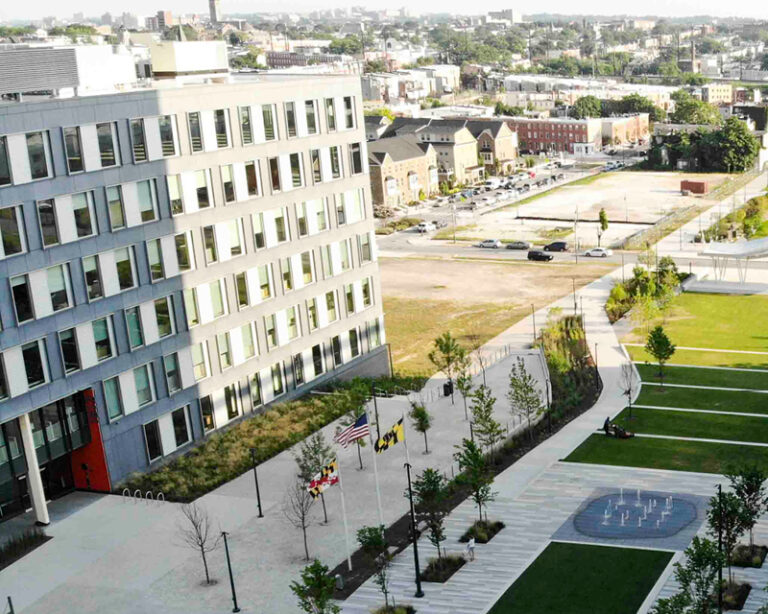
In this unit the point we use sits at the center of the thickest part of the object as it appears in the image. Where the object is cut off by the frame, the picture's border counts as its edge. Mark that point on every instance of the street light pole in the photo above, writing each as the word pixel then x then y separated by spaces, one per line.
pixel 720 547
pixel 256 479
pixel 419 592
pixel 597 373
pixel 231 577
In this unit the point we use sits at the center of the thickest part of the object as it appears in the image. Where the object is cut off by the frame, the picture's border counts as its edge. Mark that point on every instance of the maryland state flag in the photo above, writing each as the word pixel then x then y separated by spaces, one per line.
pixel 390 438
pixel 326 478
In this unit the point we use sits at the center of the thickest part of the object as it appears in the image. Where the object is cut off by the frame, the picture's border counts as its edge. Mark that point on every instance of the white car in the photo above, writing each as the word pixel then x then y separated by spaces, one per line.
pixel 490 243
pixel 598 252
pixel 426 227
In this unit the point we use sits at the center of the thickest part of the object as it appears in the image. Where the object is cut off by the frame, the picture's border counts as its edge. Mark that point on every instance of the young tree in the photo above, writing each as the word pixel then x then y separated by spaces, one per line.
pixel 697 577
pixel 429 492
pixel 476 350
pixel 726 516
pixel 313 454
pixel 446 355
pixel 297 508
pixel 628 384
pixel 523 394
pixel 660 347
pixel 196 532
pixel 464 381
pixel 421 420
pixel 487 430
pixel 602 225
pixel 374 545
pixel 475 473
pixel 315 591
pixel 748 483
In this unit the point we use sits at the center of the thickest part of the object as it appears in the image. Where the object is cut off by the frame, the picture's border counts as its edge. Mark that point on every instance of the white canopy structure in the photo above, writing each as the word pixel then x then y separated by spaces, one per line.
pixel 741 252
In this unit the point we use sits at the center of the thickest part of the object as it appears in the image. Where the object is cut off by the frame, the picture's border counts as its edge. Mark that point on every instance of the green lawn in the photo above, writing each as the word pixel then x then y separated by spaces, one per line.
pixel 705 377
pixel 584 579
pixel 706 359
pixel 698 398
pixel 689 424
pixel 667 454
pixel 716 321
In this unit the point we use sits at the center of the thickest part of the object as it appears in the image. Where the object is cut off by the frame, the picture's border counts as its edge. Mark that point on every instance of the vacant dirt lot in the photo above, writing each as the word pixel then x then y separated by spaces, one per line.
pixel 424 298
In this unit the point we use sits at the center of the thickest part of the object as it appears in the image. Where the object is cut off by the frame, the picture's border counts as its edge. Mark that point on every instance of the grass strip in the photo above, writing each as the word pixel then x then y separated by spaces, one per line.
pixel 693 376
pixel 706 359
pixel 699 398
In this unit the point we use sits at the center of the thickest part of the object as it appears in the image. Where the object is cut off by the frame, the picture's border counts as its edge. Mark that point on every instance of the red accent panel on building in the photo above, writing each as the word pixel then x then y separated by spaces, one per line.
pixel 91 456
pixel 695 187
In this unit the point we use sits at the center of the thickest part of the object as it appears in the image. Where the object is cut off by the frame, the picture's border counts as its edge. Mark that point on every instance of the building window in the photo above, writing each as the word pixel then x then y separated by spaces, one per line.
pixel 248 341
pixel 116 209
pixel 241 288
pixel 278 386
pixel 274 173
pixel 255 385
pixel 206 413
pixel 10 231
pixel 58 287
pixel 341 218
pixel 92 278
pixel 335 162
pixel 217 299
pixel 265 282
pixel 155 258
pixel 286 274
pixel 5 162
pixel 220 123
pixel 22 298
pixel 172 374
pixel 105 137
pixel 138 141
pixel 164 316
pixel 330 114
pixel 152 439
pixel 143 380
pixel 126 277
pixel 246 129
pixel 195 132
pixel 297 178
pixel 307 268
pixel 314 157
pixel 298 370
pixel 310 109
pixel 281 226
pixel 235 231
pixel 102 339
pixel 367 296
pixel 330 306
pixel 38 159
pixel 356 156
pixel 312 320
pixel 232 401
pixel 336 351
pixel 301 219
pixel 292 316
pixel 366 251
pixel 200 360
pixel 374 334
pixel 147 200
pixel 209 245
pixel 259 240
pixel 354 343
pixel 225 351
pixel 203 189
pixel 349 294
pixel 174 194
pixel 34 358
pixel 228 183
pixel 69 353
pixel 184 254
pixel 349 112
pixel 268 114
pixel 317 359
pixel 135 329
pixel 112 397
pixel 252 179
pixel 290 118
pixel 46 213
pixel 82 205
pixel 74 150
pixel 190 308
pixel 346 256
pixel 167 139
pixel 180 427
pixel 322 215
pixel 270 329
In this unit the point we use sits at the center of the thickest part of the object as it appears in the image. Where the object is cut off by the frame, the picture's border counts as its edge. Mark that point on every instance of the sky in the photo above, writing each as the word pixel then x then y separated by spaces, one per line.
pixel 39 8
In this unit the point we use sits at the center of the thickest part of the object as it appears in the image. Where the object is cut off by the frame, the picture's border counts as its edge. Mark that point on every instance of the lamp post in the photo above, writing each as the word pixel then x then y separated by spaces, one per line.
pixel 231 577
pixel 597 373
pixel 419 592
pixel 720 547
pixel 256 480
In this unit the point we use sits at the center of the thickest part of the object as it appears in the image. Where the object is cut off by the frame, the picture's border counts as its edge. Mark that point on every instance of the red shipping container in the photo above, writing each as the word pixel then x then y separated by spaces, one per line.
pixel 695 187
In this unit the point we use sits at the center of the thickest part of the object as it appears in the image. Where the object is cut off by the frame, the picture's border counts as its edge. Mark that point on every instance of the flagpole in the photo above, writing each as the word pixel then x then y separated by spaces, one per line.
pixel 375 474
pixel 344 516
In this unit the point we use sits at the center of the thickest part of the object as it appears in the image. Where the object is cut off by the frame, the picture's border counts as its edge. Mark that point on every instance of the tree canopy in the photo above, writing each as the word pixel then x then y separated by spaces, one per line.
pixel 586 106
pixel 690 110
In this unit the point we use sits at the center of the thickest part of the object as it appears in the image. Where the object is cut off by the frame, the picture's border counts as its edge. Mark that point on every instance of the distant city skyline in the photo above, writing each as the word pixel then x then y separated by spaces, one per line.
pixel 670 8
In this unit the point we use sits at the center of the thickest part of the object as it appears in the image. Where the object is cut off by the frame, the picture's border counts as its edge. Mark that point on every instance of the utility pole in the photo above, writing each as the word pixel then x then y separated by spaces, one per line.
pixel 414 533
pixel 256 479
pixel 231 577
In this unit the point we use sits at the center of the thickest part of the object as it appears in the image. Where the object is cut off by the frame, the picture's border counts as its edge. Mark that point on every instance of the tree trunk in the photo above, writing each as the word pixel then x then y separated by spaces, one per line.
pixel 205 565
pixel 306 546
pixel 325 513
pixel 426 446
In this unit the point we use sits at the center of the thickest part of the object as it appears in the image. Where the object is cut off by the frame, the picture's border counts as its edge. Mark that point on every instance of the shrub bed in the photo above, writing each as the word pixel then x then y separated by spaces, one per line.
pixel 17 546
pixel 396 609
pixel 483 531
pixel 744 556
pixel 441 569
pixel 734 596
pixel 745 221
pixel 660 285
pixel 225 455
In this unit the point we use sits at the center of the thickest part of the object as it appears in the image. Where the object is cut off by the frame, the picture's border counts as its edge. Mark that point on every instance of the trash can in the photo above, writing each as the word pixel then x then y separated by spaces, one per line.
pixel 448 388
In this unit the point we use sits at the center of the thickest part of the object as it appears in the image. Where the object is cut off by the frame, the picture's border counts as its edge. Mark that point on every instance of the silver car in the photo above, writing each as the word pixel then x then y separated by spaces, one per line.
pixel 490 243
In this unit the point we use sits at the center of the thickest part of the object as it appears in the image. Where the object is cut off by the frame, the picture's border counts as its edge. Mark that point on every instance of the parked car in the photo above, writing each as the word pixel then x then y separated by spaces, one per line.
pixel 556 246
pixel 426 227
pixel 560 176
pixel 524 188
pixel 598 252
pixel 490 243
pixel 538 255
pixel 518 245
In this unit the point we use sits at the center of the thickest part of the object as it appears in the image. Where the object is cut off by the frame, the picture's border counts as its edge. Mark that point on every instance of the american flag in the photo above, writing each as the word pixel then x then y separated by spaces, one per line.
pixel 356 431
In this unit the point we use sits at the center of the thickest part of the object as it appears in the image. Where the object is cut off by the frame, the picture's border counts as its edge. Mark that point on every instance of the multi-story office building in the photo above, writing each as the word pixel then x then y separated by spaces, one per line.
pixel 171 260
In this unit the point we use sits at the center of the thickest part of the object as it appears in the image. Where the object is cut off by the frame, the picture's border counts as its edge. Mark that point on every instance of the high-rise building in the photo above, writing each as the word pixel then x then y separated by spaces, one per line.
pixel 175 259
pixel 164 20
pixel 215 10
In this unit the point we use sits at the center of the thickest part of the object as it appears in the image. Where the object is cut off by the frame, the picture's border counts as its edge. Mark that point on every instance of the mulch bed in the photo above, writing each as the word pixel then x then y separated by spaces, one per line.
pixel 398 533
pixel 440 570
pixel 735 595
pixel 744 557
pixel 483 531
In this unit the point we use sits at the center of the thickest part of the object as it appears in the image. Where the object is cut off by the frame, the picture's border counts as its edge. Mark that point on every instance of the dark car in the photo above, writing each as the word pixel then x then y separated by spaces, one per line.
pixel 538 255
pixel 556 246
pixel 518 245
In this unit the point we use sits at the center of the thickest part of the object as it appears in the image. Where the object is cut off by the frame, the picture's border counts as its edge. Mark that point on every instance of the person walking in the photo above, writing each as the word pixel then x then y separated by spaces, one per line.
pixel 471 548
